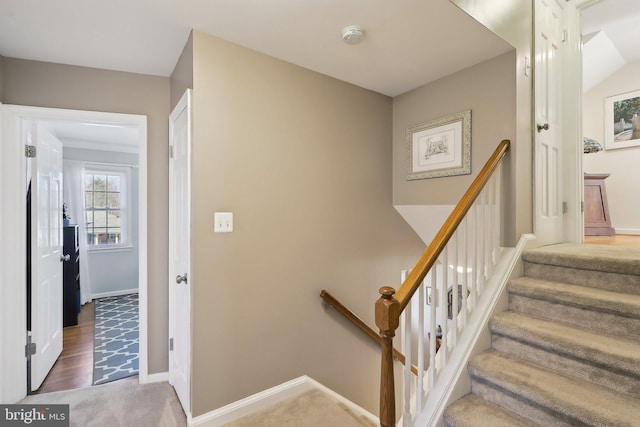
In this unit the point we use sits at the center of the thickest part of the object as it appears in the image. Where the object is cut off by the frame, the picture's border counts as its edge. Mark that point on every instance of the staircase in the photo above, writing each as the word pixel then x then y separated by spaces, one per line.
pixel 568 350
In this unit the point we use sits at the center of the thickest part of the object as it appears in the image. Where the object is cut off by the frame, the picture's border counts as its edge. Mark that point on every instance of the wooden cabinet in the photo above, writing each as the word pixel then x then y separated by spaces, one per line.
pixel 596 208
pixel 70 276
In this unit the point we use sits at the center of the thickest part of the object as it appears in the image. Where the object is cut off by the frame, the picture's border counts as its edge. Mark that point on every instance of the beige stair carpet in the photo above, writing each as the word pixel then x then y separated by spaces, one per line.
pixel 567 353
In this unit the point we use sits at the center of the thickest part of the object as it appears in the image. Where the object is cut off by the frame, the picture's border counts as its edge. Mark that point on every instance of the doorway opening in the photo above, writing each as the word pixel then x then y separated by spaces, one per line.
pixel 112 149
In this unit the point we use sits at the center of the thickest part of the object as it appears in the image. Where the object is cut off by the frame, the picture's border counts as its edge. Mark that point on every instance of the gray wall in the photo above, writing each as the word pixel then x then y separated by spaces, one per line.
pixel 182 76
pixel 63 86
pixel 488 90
pixel 513 21
pixel 304 163
pixel 1 77
pixel 113 271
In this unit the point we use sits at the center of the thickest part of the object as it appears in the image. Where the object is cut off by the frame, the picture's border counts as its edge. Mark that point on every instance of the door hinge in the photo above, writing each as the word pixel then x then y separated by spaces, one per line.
pixel 582 207
pixel 171 151
pixel 565 207
pixel 170 344
pixel 565 36
pixel 30 349
pixel 30 151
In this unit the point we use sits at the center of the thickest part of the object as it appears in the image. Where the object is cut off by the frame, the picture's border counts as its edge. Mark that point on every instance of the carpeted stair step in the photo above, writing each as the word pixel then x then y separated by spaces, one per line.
pixel 608 267
pixel 591 308
pixel 547 397
pixel 474 411
pixel 603 359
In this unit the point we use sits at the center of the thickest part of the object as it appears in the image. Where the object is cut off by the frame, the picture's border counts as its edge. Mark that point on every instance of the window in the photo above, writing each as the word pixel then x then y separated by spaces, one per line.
pixel 105 198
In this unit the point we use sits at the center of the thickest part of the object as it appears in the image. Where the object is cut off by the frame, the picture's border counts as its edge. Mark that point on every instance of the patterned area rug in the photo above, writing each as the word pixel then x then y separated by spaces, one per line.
pixel 115 342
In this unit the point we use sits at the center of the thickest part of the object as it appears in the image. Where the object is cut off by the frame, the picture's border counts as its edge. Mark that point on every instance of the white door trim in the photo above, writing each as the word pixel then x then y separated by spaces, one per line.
pixel 12 227
pixel 180 295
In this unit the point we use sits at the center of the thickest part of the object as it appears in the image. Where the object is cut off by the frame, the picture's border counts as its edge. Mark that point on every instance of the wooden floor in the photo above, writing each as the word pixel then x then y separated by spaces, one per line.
pixel 74 367
pixel 616 240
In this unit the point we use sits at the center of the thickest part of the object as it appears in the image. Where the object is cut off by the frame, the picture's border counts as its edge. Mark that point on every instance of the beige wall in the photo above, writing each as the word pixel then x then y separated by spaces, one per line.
pixel 182 76
pixel 304 163
pixel 489 91
pixel 622 164
pixel 63 86
pixel 513 21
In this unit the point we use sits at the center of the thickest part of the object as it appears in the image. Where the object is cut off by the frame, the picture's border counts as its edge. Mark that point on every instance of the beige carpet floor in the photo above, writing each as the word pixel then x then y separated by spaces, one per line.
pixel 118 404
pixel 310 409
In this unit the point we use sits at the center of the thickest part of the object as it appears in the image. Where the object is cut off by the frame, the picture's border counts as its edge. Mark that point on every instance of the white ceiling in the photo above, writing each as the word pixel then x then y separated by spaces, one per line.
pixel 95 136
pixel 407 43
pixel 611 37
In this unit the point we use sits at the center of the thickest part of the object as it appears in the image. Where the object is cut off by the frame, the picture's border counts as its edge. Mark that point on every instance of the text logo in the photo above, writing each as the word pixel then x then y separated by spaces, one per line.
pixel 34 415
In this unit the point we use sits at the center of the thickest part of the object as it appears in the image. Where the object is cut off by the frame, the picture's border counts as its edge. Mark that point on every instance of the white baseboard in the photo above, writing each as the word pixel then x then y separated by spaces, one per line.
pixel 634 231
pixel 114 293
pixel 267 398
pixel 155 378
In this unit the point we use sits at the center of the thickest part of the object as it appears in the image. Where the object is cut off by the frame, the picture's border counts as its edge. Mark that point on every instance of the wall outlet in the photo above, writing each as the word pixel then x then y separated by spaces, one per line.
pixel 223 222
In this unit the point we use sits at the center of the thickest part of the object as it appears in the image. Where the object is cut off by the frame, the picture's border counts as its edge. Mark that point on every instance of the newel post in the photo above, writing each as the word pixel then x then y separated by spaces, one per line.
pixel 387 319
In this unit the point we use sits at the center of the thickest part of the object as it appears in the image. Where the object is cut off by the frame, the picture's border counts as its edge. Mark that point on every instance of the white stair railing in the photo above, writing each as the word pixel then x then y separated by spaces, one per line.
pixel 440 308
pixel 459 262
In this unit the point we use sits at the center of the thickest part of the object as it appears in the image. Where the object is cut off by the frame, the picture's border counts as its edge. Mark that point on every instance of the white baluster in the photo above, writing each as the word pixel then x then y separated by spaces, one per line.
pixel 443 293
pixel 465 268
pixel 432 328
pixel 474 256
pixel 420 395
pixel 408 378
pixel 454 290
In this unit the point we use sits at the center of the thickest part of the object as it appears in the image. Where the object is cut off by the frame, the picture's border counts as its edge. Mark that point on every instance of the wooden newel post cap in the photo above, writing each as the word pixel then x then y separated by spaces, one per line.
pixel 387 311
pixel 387 292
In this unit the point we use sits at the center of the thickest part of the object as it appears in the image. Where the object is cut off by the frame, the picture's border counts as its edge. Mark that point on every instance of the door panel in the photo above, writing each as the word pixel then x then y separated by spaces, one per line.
pixel 46 264
pixel 179 251
pixel 548 131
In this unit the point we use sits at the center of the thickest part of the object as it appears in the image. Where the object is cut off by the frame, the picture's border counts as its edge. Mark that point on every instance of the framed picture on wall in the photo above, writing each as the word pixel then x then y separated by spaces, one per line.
pixel 622 120
pixel 440 147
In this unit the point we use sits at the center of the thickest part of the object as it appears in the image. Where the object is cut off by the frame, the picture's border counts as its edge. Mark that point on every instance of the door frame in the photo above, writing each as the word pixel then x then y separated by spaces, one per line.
pixel 183 105
pixel 13 235
pixel 572 78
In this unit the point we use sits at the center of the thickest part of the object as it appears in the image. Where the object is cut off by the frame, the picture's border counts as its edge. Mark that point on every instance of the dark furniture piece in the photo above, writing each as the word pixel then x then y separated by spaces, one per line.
pixel 596 208
pixel 70 277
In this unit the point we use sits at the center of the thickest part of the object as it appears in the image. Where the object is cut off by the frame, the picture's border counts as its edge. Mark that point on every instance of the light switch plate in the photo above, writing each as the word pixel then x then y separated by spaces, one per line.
pixel 223 222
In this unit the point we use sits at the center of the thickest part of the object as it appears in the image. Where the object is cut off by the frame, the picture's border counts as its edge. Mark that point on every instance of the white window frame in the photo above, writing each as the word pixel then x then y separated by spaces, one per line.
pixel 125 204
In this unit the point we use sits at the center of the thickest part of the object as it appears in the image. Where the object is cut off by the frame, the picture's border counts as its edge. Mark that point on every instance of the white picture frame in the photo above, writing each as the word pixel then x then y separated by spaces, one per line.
pixel 440 148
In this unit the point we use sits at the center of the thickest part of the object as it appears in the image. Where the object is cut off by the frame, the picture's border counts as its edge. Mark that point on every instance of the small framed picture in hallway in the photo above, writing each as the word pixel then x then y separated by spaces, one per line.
pixel 440 147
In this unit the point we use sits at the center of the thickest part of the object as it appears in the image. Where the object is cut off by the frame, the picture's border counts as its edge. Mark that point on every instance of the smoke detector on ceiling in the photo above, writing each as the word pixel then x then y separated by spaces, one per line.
pixel 352 34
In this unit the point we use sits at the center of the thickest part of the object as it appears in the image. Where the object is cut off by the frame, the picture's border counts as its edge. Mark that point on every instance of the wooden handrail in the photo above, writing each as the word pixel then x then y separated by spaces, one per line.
pixel 391 303
pixel 340 308
pixel 433 251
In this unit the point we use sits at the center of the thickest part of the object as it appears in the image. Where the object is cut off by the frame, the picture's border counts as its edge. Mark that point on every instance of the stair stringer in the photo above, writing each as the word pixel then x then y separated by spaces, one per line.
pixel 454 381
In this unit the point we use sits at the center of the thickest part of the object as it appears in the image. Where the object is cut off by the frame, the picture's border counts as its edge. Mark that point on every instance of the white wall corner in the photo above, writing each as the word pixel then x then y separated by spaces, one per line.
pixel 425 220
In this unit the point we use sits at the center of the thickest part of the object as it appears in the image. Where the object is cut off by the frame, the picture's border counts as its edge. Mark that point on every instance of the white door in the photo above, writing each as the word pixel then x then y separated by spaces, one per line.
pixel 179 251
pixel 46 253
pixel 547 127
